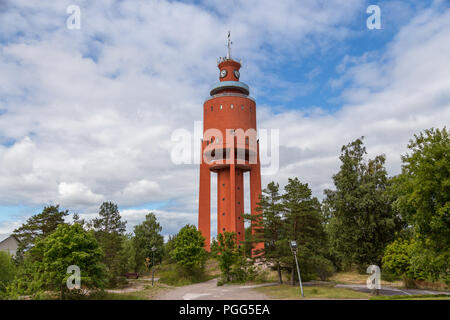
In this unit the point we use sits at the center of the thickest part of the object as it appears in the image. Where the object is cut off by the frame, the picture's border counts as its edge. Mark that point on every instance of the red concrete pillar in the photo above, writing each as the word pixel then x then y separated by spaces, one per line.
pixel 204 202
pixel 255 192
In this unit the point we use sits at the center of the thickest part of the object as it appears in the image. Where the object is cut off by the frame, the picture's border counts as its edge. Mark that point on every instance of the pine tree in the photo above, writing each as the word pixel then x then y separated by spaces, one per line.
pixel 304 224
pixel 146 236
pixel 109 232
pixel 38 226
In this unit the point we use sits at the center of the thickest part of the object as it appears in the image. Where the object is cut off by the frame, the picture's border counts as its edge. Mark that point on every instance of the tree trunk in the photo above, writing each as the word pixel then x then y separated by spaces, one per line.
pixel 280 276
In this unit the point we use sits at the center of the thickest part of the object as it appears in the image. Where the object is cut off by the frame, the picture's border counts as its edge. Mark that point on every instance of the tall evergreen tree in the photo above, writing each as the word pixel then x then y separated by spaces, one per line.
pixel 39 226
pixel 109 232
pixel 273 228
pixel 148 235
pixel 304 224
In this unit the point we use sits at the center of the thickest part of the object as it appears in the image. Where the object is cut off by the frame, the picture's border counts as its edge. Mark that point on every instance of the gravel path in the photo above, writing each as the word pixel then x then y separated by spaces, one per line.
pixel 210 291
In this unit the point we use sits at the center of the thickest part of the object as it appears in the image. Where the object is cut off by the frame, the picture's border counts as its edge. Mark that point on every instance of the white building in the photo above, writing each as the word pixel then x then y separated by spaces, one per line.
pixel 9 245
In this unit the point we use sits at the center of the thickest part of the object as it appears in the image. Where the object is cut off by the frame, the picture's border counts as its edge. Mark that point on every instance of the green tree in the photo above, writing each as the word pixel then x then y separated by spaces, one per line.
pixel 146 236
pixel 168 247
pixel 7 273
pixel 228 253
pixel 361 220
pixel 397 257
pixel 303 222
pixel 38 226
pixel 109 232
pixel 67 245
pixel 423 199
pixel 273 229
pixel 189 251
pixel 128 255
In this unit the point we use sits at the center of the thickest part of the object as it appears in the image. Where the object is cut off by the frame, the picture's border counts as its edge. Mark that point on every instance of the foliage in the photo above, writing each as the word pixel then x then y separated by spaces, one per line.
pixel 273 227
pixel 128 255
pixel 303 223
pixel 235 267
pixel 228 253
pixel 67 245
pixel 146 236
pixel 38 227
pixel 423 199
pixel 189 251
pixel 361 221
pixel 215 247
pixel 397 257
pixel 168 247
pixel 8 271
pixel 109 231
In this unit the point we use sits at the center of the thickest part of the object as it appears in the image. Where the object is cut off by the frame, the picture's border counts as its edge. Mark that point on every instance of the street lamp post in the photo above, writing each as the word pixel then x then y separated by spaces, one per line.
pixel 153 264
pixel 294 251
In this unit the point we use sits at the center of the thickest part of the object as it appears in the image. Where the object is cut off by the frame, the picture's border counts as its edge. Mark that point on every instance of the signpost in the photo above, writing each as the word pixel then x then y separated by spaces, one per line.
pixel 294 251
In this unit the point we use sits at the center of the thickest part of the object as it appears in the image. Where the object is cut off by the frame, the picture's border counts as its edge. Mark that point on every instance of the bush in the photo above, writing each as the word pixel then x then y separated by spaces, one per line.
pixel 323 267
pixel 7 272
pixel 397 258
pixel 189 251
pixel 175 275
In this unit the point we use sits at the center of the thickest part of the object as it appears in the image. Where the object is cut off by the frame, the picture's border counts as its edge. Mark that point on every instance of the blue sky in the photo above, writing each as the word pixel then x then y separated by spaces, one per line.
pixel 87 115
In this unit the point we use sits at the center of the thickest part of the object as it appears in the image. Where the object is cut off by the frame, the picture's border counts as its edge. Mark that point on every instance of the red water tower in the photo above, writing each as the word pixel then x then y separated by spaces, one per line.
pixel 230 149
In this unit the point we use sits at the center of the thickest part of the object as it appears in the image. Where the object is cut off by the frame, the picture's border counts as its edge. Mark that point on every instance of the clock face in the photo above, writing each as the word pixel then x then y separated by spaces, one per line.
pixel 223 73
pixel 236 74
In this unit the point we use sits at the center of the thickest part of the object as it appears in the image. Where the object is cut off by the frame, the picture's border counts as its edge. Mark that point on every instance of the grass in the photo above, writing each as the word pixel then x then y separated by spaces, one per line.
pixel 172 274
pixel 353 277
pixel 147 293
pixel 311 292
pixel 414 297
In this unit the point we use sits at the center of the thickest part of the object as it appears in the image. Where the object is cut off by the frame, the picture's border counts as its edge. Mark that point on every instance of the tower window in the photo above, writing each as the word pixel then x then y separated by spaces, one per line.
pixel 223 199
pixel 246 140
pixel 231 106
pixel 239 218
pixel 223 229
pixel 223 184
pixel 223 213
pixel 221 107
pixel 242 107
pixel 250 109
pixel 239 202
pixel 239 232
pixel 212 108
pixel 239 188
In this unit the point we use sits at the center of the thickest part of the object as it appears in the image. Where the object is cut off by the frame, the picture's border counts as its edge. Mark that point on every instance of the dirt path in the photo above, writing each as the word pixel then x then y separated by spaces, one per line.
pixel 134 286
pixel 210 291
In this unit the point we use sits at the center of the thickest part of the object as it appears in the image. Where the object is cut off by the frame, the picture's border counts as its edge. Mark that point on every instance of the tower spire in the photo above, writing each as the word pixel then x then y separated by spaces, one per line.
pixel 229 46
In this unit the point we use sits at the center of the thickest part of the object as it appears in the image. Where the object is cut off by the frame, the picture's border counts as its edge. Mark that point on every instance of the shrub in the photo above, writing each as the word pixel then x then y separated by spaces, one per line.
pixel 397 258
pixel 7 272
pixel 189 251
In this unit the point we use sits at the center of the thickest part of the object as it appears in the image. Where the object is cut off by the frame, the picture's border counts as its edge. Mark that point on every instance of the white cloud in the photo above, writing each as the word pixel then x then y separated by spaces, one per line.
pixel 92 111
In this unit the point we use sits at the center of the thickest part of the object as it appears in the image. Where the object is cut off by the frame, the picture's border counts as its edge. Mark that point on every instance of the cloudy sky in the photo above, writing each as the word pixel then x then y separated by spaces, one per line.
pixel 87 115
